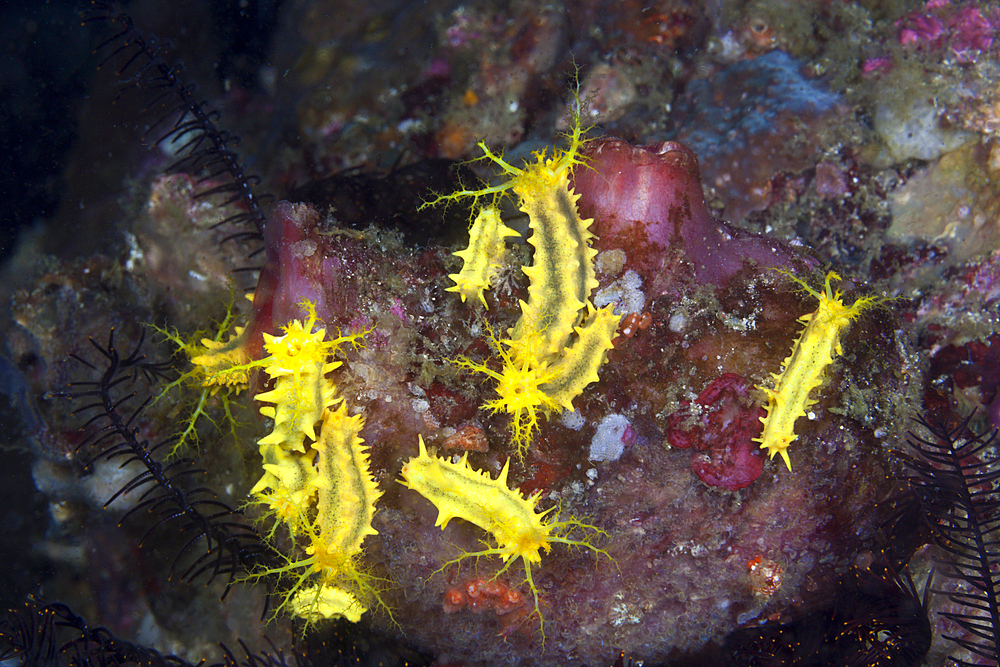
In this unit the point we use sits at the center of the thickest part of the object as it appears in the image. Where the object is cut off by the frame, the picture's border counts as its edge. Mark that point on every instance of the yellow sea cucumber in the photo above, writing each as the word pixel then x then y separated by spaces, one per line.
pixel 329 464
pixel 329 582
pixel 812 352
pixel 209 375
pixel 578 365
pixel 482 259
pixel 562 271
pixel 458 491
pixel 346 503
pixel 298 362
pixel 216 358
pixel 561 340
pixel 316 481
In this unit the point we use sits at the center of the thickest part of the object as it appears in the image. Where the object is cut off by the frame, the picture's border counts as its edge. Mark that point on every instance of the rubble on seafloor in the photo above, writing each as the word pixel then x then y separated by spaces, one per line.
pixel 750 147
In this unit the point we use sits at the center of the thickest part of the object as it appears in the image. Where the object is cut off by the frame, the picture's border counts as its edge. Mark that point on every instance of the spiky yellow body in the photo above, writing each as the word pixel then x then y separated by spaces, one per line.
pixel 216 359
pixel 805 368
pixel 316 481
pixel 521 532
pixel 328 580
pixel 561 340
pixel 347 493
pixel 460 492
pixel 482 259
pixel 325 468
pixel 210 375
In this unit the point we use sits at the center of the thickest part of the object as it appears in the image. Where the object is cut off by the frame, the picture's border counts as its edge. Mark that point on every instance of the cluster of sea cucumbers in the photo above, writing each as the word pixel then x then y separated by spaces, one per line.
pixel 683 267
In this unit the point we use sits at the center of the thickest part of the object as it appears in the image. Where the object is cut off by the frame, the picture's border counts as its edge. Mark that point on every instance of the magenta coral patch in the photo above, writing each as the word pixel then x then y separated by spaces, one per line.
pixel 648 201
pixel 720 427
pixel 963 30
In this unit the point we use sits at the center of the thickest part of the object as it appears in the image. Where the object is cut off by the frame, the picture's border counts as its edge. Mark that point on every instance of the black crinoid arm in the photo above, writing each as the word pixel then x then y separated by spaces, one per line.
pixel 180 117
pixel 50 634
pixel 36 633
pixel 955 474
pixel 216 541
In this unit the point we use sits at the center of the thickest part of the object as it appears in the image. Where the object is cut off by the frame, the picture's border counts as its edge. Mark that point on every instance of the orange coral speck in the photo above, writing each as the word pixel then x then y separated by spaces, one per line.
pixel 470 438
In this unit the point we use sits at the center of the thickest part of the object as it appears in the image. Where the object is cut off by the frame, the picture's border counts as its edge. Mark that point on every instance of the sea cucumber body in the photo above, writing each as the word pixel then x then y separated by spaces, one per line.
pixel 804 369
pixel 562 274
pixel 482 259
pixel 346 502
pixel 458 491
pixel 326 469
pixel 560 341
pixel 298 363
pixel 578 366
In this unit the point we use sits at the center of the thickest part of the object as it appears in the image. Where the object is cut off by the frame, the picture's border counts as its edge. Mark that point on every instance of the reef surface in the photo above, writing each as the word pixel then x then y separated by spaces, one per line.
pixel 723 155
